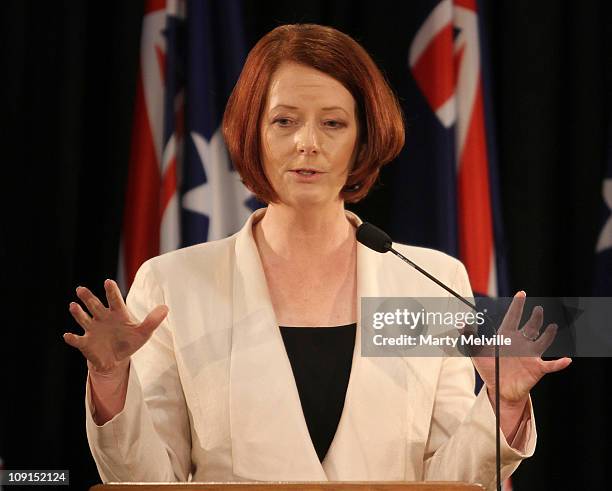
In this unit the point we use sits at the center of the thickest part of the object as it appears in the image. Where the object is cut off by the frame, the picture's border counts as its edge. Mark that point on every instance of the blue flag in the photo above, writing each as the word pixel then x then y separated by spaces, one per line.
pixel 215 203
pixel 182 188
pixel 449 166
pixel 603 250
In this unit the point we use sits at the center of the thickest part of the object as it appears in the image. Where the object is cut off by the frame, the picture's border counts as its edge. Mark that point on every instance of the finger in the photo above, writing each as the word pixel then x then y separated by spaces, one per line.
pixel 153 320
pixel 113 296
pixel 556 365
pixel 73 340
pixel 532 327
pixel 515 311
pixel 547 337
pixel 79 315
pixel 95 307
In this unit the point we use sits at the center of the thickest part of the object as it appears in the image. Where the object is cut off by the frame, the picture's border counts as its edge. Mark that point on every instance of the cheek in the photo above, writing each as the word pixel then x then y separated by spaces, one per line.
pixel 267 153
pixel 274 149
pixel 346 152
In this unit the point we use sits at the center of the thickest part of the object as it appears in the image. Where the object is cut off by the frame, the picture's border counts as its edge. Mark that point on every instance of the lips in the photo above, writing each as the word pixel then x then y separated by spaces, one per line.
pixel 306 175
pixel 306 171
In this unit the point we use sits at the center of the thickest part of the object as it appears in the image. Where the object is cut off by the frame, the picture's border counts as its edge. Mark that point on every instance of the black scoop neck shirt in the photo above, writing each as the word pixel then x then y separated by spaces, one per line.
pixel 321 359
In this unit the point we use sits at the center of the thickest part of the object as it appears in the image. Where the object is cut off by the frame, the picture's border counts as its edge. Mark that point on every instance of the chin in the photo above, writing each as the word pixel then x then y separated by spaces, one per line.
pixel 311 199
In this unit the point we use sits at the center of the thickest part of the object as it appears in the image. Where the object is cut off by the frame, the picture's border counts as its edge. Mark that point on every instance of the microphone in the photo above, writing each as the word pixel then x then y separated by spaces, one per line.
pixel 374 238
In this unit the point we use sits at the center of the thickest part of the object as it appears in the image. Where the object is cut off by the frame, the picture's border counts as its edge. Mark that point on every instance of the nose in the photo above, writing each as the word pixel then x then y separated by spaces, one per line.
pixel 307 140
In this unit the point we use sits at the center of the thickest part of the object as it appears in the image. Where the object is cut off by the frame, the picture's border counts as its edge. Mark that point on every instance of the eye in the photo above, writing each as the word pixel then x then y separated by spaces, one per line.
pixel 334 124
pixel 282 122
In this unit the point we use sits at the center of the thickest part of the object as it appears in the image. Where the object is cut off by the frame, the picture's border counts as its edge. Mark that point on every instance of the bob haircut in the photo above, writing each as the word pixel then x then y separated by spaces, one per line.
pixel 381 128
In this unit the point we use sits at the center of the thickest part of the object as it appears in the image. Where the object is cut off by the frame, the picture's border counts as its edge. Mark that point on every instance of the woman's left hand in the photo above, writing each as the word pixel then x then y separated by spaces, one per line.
pixel 518 374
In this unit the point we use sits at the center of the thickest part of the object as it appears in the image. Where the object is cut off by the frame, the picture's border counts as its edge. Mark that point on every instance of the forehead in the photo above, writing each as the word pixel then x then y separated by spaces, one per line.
pixel 299 85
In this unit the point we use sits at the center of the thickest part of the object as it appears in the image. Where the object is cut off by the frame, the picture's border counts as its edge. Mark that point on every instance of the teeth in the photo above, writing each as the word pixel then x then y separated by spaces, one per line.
pixel 306 172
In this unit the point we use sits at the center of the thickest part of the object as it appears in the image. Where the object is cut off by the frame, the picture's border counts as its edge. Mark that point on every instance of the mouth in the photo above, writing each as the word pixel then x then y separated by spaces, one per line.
pixel 306 175
pixel 307 171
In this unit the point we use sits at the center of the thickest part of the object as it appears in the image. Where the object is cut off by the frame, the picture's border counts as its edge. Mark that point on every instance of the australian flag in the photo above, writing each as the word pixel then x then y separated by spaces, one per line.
pixel 182 188
pixel 449 162
pixel 450 144
pixel 603 249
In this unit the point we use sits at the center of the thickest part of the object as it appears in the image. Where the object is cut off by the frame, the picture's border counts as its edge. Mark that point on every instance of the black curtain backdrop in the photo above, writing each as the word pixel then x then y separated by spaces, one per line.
pixel 69 74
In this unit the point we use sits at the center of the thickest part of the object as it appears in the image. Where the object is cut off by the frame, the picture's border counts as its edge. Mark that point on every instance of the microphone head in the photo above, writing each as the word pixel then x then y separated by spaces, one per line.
pixel 373 237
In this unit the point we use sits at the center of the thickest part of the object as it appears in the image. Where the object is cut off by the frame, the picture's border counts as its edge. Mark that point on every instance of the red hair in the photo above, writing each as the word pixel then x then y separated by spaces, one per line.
pixel 381 128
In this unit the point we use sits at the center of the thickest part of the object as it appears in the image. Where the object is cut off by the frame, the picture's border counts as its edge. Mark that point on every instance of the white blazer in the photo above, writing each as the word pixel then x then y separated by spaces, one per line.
pixel 212 397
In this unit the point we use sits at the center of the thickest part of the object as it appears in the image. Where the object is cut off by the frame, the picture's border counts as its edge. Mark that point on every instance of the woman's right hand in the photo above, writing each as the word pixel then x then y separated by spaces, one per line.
pixel 112 334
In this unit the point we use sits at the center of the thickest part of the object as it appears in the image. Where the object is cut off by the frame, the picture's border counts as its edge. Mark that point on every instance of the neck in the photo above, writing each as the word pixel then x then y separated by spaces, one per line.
pixel 296 233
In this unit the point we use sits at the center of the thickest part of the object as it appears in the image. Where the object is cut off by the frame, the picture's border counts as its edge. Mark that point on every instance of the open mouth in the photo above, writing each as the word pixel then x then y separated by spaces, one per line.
pixel 306 172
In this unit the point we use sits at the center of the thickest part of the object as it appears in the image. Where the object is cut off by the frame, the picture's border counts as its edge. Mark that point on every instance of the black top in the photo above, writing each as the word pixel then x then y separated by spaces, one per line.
pixel 321 359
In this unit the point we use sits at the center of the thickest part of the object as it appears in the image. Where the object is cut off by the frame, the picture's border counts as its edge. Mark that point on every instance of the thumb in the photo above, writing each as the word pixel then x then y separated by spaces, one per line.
pixel 556 365
pixel 73 340
pixel 153 320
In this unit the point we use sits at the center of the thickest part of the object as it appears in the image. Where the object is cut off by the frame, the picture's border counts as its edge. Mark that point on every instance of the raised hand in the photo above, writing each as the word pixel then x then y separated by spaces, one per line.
pixel 112 334
pixel 518 374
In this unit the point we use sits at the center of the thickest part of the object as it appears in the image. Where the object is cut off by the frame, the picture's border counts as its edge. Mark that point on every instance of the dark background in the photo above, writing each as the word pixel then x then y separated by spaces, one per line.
pixel 68 75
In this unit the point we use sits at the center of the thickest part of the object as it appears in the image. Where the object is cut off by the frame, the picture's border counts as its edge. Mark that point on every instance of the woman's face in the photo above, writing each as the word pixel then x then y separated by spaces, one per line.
pixel 309 132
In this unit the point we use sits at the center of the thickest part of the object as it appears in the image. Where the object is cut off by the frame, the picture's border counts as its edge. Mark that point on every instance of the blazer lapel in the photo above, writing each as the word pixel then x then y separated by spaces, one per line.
pixel 380 404
pixel 270 439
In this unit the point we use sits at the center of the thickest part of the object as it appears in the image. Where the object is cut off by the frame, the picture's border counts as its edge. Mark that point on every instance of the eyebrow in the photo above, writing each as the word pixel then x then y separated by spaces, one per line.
pixel 330 108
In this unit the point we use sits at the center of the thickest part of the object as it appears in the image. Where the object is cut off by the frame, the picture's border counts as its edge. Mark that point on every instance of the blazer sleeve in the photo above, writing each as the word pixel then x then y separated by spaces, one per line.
pixel 150 439
pixel 461 442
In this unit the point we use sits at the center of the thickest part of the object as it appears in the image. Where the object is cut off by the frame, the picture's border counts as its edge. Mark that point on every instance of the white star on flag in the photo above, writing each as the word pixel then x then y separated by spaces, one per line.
pixel 605 237
pixel 223 197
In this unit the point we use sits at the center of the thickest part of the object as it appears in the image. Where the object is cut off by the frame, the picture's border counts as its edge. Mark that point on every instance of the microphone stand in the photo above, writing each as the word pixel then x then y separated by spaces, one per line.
pixel 497 402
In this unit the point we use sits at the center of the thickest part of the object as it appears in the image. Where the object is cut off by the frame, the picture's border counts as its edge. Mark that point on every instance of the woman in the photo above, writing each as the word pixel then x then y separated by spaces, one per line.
pixel 213 390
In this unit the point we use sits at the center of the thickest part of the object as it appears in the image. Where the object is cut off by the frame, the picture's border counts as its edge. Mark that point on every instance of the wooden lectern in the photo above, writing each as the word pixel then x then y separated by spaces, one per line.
pixel 291 486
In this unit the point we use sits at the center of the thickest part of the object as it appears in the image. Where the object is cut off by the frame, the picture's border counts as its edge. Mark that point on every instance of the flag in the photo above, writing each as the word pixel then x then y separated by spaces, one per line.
pixel 182 188
pixel 603 249
pixel 455 142
pixel 447 64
